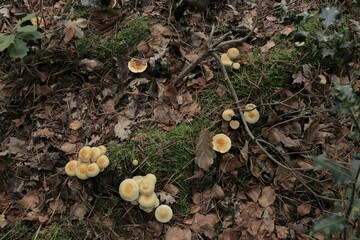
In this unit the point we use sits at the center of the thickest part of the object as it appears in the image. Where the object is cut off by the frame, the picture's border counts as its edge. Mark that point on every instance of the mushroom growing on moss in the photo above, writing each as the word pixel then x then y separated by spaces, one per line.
pixel 228 114
pixel 221 143
pixel 137 65
pixel 102 149
pixel 225 60
pixel 135 162
pixel 233 53
pixel 252 115
pixel 103 161
pixel 236 66
pixel 163 213
pixel 234 124
pixel 70 168
pixel 129 190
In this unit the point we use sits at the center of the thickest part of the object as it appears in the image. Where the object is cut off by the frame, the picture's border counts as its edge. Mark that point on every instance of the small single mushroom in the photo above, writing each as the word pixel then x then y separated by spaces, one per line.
pixel 252 115
pixel 85 154
pixel 233 53
pixel 81 171
pixel 234 124
pixel 221 143
pixel 135 162
pixel 102 149
pixel 228 114
pixel 129 190
pixel 322 79
pixel 147 186
pixel 103 161
pixel 92 170
pixel 95 154
pixel 147 201
pixel 236 66
pixel 70 168
pixel 163 213
pixel 137 65
pixel 225 60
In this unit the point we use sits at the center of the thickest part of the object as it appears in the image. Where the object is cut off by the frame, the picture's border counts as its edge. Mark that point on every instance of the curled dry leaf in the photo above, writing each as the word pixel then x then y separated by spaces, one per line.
pixel 267 197
pixel 204 154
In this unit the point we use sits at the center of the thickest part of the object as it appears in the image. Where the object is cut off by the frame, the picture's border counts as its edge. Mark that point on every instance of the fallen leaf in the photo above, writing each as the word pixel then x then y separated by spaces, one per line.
pixel 176 233
pixel 91 65
pixel 82 22
pixel 254 193
pixel 75 125
pixel 165 197
pixel 204 154
pixel 282 232
pixel 217 192
pixel 229 163
pixel 43 132
pixel 303 209
pixel 31 200
pixel 287 30
pixel 68 148
pixel 122 128
pixel 78 211
pixel 267 197
pixel 270 44
pixel 228 234
pixel 68 34
pixel 205 224
pixel 171 188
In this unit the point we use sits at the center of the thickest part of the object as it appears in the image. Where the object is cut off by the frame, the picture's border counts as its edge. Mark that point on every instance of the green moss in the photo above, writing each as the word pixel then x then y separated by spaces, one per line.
pixel 55 232
pixel 124 42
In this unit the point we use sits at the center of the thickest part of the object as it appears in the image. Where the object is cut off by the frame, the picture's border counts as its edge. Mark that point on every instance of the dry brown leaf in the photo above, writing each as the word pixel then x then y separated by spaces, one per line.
pixel 122 128
pixel 205 224
pixel 254 193
pixel 269 45
pixel 228 234
pixel 68 148
pixel 287 30
pixel 31 200
pixel 284 178
pixel 44 132
pixel 78 211
pixel 76 30
pixel 16 145
pixel 162 114
pixel 229 163
pixel 171 188
pixel 204 154
pixel 176 233
pixel 282 232
pixel 303 209
pixel 217 192
pixel 82 22
pixel 165 197
pixel 91 65
pixel 244 153
pixel 68 34
pixel 267 197
pixel 75 125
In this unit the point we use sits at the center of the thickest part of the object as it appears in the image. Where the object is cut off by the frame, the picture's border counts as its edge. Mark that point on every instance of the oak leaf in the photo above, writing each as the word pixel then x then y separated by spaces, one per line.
pixel 204 154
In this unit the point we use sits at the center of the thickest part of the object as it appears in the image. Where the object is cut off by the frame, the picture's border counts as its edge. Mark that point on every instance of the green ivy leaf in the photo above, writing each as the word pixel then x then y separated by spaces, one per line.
pixel 329 15
pixel 6 41
pixel 326 52
pixel 18 49
pixel 29 36
pixel 24 19
pixel 329 225
pixel 299 35
pixel 28 28
pixel 339 174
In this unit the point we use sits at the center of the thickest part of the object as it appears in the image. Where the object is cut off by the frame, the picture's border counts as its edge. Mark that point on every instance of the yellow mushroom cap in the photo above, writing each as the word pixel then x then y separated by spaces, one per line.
pixel 147 186
pixel 135 162
pixel 221 143
pixel 233 53
pixel 137 65
pixel 81 171
pixel 253 115
pixel 129 190
pixel 138 179
pixel 157 202
pixel 35 21
pixel 163 213
pixel 70 168
pixel 103 161
pixel 112 3
pixel 147 201
pixel 135 202
pixel 85 154
pixel 225 60
pixel 92 170
pixel 102 149
pixel 228 114
pixel 236 66
pixel 234 124
pixel 148 210
pixel 151 177
pixel 322 79
pixel 95 153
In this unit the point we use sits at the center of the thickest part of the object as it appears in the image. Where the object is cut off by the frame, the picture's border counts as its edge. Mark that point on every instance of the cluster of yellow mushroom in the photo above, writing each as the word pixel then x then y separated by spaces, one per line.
pixel 227 116
pixel 91 161
pixel 140 190
pixel 229 58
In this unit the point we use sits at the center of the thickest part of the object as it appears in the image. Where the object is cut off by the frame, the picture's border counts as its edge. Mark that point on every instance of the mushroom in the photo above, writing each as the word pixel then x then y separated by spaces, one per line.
pixel 95 154
pixel 81 171
pixel 137 65
pixel 157 202
pixel 221 143
pixel 233 53
pixel 138 179
pixel 252 115
pixel 163 213
pixel 103 161
pixel 236 66
pixel 228 114
pixel 234 124
pixel 147 186
pixel 147 201
pixel 102 149
pixel 85 154
pixel 322 79
pixel 225 60
pixel 148 210
pixel 129 190
pixel 92 170
pixel 70 168
pixel 135 162
pixel 151 177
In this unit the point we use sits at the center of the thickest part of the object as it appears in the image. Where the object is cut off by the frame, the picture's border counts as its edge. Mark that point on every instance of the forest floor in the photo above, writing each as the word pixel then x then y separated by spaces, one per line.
pixel 74 88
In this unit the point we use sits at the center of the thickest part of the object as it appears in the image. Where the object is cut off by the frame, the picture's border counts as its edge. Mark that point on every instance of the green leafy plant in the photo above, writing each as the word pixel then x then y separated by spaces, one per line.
pixel 326 34
pixel 348 211
pixel 16 41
